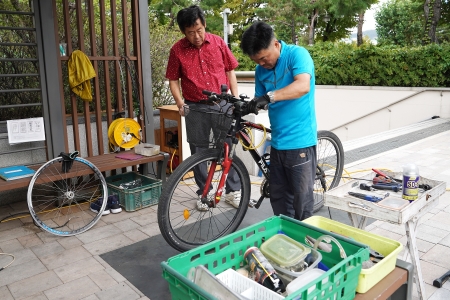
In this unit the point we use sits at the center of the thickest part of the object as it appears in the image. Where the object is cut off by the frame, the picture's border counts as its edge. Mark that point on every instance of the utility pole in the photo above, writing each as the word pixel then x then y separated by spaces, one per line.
pixel 225 14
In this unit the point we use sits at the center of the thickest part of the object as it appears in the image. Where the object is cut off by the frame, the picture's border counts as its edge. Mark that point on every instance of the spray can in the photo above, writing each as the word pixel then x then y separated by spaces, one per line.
pixel 262 271
pixel 410 182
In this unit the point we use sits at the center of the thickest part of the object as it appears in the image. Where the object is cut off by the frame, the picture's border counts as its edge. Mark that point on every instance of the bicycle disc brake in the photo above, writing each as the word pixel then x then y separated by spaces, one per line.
pixel 320 174
pixel 265 193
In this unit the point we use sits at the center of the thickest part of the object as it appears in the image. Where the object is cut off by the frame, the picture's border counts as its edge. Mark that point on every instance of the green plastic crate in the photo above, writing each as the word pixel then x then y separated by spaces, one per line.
pixel 137 198
pixel 228 251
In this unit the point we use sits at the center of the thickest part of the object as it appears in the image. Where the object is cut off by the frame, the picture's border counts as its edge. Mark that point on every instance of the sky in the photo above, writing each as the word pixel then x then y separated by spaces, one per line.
pixel 369 17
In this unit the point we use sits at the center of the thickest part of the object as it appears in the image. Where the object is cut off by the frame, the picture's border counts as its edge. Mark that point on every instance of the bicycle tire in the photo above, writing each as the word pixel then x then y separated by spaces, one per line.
pixel 71 195
pixel 180 223
pixel 330 164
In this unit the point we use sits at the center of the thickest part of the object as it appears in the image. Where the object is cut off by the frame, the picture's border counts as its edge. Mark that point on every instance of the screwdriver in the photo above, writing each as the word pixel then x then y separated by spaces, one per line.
pixel 365 197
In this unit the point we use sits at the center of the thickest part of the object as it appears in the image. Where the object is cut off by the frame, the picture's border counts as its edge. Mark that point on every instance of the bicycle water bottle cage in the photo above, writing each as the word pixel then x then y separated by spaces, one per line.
pixel 68 159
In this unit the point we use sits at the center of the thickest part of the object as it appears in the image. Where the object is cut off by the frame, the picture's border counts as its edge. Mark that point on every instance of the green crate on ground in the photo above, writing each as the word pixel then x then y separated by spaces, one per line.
pixel 228 252
pixel 137 198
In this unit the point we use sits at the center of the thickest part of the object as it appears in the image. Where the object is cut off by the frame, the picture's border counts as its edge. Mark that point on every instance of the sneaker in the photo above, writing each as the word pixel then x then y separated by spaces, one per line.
pixel 96 206
pixel 201 206
pixel 233 198
pixel 113 204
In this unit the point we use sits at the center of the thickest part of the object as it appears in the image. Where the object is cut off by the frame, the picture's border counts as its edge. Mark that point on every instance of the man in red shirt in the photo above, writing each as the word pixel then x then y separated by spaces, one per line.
pixel 201 61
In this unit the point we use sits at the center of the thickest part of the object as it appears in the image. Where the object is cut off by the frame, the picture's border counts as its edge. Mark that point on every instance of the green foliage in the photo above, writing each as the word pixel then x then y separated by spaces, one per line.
pixel 400 23
pixel 245 62
pixel 161 40
pixel 371 65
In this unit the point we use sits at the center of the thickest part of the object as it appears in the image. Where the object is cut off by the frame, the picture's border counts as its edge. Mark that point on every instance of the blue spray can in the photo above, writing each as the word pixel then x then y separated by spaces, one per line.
pixel 410 182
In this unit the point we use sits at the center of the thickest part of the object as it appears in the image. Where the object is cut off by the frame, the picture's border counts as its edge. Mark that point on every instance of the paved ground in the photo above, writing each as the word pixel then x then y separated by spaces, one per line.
pixel 50 267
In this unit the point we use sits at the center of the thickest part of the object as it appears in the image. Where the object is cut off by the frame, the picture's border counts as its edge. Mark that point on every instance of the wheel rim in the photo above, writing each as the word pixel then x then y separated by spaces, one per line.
pixel 61 205
pixel 328 168
pixel 195 227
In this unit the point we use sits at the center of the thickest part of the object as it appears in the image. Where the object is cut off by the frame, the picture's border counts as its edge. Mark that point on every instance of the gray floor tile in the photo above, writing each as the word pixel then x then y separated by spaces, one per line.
pixel 30 240
pixel 103 279
pixel 78 269
pixel 48 249
pixel 70 242
pixel 14 233
pixel 440 294
pixel 20 256
pixel 127 225
pixel 97 234
pixel 64 258
pixel 118 292
pixel 135 235
pixel 11 246
pixel 73 290
pixel 5 294
pixel 111 243
pixel 437 255
pixel 16 273
pixel 38 296
pixel 150 217
pixel 35 284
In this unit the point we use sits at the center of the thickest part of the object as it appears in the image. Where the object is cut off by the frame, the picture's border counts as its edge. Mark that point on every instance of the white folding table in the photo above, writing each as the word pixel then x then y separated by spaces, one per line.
pixel 409 216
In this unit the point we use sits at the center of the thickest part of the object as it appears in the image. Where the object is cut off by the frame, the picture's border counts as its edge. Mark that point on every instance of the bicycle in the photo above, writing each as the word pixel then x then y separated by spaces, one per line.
pixel 180 223
pixel 60 194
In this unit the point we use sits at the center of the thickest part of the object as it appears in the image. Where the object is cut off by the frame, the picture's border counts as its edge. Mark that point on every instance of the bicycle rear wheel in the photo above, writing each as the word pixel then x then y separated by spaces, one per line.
pixel 330 163
pixel 181 224
pixel 60 202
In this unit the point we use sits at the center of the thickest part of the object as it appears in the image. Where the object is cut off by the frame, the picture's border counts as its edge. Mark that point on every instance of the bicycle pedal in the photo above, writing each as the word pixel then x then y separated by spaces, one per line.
pixel 252 203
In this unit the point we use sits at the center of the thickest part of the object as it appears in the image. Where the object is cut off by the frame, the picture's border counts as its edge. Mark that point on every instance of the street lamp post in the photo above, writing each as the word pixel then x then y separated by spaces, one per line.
pixel 225 14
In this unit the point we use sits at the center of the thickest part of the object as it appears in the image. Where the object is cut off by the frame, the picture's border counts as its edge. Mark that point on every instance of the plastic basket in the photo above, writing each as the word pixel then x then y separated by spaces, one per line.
pixel 208 128
pixel 389 248
pixel 246 287
pixel 228 251
pixel 135 198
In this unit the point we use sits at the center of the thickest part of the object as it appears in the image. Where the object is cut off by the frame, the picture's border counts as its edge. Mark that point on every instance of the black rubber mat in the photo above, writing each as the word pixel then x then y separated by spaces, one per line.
pixel 139 263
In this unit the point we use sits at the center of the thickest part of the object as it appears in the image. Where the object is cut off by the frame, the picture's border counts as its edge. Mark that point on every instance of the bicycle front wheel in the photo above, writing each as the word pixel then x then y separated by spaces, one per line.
pixel 182 225
pixel 330 163
pixel 59 202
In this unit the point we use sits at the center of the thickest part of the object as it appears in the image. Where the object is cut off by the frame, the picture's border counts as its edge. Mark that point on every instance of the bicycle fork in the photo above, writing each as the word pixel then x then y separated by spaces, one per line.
pixel 226 165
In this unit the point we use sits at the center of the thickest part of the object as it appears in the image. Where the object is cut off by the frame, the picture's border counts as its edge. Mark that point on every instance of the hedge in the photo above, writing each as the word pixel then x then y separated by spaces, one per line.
pixel 371 65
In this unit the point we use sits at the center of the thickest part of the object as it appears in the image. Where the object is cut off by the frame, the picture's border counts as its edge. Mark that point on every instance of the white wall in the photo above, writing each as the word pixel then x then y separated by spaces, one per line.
pixel 355 112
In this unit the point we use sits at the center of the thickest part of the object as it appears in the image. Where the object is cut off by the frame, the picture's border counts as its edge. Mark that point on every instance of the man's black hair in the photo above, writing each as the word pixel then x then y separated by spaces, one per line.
pixel 187 17
pixel 256 38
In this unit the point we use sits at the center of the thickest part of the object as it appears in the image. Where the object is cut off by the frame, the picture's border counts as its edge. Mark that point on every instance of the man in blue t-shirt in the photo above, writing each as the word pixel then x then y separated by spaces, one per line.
pixel 285 82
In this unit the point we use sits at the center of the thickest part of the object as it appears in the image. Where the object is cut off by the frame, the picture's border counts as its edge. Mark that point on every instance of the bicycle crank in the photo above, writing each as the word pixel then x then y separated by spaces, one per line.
pixel 265 193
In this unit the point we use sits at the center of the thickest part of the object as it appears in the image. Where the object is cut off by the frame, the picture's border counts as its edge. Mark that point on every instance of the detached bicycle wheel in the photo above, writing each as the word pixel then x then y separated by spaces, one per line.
pixel 330 163
pixel 182 225
pixel 59 202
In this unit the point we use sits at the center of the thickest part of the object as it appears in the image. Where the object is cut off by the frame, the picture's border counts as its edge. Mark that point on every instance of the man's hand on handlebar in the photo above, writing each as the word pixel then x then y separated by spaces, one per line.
pixel 258 103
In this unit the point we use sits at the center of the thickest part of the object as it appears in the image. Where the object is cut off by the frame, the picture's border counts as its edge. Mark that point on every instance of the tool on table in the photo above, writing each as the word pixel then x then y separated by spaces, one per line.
pixel 390 187
pixel 441 280
pixel 366 197
pixel 386 176
pixel 380 179
pixel 359 205
pixel 383 178
pixel 366 187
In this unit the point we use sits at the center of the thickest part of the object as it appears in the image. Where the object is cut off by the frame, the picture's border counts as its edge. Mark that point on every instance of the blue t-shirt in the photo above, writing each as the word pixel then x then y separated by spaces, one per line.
pixel 293 122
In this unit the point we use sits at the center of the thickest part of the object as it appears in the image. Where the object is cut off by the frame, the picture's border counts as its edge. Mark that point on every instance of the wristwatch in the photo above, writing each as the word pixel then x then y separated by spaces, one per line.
pixel 270 94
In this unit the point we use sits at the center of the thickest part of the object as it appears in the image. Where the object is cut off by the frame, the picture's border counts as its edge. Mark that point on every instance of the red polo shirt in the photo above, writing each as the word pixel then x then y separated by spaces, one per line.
pixel 200 68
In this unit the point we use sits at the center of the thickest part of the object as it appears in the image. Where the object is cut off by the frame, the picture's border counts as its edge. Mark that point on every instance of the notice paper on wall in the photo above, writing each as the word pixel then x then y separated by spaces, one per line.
pixel 25 130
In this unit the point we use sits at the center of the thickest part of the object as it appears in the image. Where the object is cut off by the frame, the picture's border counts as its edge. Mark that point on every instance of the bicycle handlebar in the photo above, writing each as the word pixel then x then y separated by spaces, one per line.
pixel 240 105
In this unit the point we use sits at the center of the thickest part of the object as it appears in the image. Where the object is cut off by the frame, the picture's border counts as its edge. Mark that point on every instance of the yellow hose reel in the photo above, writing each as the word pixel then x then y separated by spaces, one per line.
pixel 124 133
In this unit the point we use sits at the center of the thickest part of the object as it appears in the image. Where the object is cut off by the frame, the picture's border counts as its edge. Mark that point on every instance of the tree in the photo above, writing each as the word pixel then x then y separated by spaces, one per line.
pixel 353 8
pixel 432 10
pixel 399 23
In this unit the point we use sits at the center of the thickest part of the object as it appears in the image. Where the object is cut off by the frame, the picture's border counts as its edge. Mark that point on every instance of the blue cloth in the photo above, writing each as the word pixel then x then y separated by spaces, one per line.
pixel 293 122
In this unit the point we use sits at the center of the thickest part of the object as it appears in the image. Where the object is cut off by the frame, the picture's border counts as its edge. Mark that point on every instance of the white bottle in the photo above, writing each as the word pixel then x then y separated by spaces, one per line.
pixel 410 182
